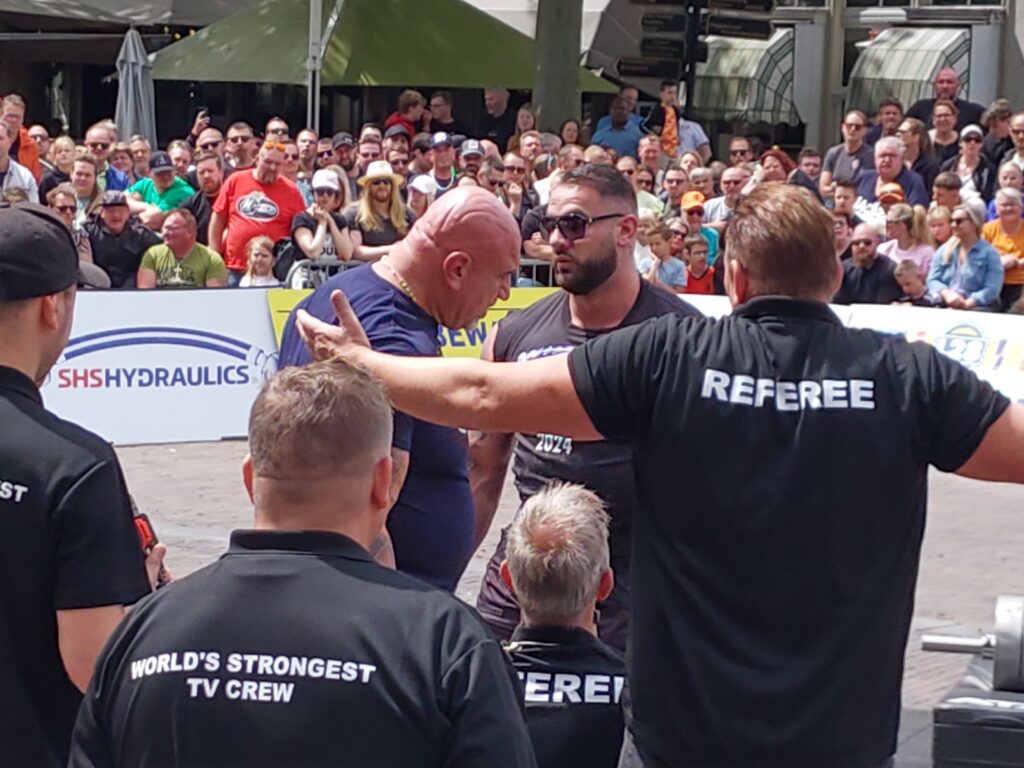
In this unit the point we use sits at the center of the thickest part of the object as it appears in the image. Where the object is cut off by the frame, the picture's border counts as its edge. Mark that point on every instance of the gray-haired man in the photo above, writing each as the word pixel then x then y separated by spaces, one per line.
pixel 557 563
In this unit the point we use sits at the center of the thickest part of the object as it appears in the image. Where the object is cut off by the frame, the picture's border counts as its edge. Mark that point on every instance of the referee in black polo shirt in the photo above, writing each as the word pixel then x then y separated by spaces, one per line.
pixel 295 648
pixel 70 559
pixel 773 588
pixel 558 566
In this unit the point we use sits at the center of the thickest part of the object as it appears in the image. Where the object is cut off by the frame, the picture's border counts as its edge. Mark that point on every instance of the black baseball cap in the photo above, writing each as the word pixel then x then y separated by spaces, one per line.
pixel 37 255
pixel 160 161
pixel 113 197
pixel 396 130
pixel 343 139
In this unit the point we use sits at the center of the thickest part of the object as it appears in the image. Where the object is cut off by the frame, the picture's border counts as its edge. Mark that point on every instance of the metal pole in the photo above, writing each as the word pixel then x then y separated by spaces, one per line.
pixel 313 65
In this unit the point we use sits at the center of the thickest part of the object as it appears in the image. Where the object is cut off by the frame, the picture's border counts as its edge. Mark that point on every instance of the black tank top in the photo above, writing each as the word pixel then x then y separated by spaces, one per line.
pixel 605 467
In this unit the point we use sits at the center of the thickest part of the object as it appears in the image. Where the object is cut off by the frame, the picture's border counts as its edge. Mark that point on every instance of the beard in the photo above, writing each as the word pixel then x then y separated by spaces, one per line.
pixel 587 276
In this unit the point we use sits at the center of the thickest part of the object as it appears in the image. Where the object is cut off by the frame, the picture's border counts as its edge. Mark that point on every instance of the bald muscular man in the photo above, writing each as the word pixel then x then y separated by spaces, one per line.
pixel 455 262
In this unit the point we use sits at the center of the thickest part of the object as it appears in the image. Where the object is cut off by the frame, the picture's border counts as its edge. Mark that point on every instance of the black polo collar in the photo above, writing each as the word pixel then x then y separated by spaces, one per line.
pixel 786 307
pixel 554 635
pixel 249 542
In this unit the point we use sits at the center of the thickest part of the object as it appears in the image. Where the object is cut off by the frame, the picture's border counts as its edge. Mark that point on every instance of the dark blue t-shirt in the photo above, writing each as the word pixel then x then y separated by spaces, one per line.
pixel 431 524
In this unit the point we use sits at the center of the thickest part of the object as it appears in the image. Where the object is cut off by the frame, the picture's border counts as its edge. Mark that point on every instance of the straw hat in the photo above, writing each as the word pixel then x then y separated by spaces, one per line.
pixel 380 169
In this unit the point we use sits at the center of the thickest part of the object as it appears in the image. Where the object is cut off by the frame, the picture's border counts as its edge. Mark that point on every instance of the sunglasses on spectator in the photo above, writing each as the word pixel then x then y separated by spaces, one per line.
pixel 380 182
pixel 864 241
pixel 695 212
pixel 274 145
pixel 679 233
pixel 573 226
pixel 324 191
pixel 734 152
pixel 516 168
pixel 959 219
pixel 645 183
pixel 290 156
pixel 65 208
pixel 239 139
pixel 972 139
pixel 326 153
pixel 279 131
pixel 37 137
pixel 628 172
pixel 98 145
pixel 1017 131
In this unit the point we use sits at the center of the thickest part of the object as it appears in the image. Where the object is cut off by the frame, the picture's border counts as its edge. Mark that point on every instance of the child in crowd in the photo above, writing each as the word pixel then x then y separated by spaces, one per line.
pixel 911 281
pixel 700 278
pixel 663 269
pixel 260 255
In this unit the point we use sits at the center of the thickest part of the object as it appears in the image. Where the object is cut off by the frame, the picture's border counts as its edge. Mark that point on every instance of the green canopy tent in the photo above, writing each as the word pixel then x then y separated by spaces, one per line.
pixel 365 42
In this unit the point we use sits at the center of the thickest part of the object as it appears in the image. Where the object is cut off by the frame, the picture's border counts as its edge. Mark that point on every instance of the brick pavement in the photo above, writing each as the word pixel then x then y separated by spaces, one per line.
pixel 972 552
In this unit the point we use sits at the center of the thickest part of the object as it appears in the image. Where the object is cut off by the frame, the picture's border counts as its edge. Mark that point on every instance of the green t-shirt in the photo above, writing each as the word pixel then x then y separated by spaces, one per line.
pixel 193 271
pixel 172 197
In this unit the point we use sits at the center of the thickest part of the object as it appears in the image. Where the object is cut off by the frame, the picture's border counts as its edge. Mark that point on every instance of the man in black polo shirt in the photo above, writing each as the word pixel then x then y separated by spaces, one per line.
pixel 558 565
pixel 867 277
pixel 771 603
pixel 602 291
pixel 209 177
pixel 295 648
pixel 70 559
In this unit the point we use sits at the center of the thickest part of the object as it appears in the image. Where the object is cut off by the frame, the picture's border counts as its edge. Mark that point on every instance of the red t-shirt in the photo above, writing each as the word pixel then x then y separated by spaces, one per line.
pixel 254 208
pixel 705 284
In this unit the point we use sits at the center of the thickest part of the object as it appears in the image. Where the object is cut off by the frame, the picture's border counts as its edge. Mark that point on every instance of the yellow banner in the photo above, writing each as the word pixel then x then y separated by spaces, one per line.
pixel 467 342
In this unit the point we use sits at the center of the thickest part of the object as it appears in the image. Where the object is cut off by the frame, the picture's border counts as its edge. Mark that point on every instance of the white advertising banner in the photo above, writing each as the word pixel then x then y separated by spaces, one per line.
pixel 991 345
pixel 164 366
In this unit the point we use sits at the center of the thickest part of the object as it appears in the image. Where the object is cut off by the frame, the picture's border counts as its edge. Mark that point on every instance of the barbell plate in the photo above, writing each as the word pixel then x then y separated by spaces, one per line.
pixel 1008 671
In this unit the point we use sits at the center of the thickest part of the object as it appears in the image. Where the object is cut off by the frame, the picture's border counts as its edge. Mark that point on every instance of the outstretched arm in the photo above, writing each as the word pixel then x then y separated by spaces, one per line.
pixel 536 396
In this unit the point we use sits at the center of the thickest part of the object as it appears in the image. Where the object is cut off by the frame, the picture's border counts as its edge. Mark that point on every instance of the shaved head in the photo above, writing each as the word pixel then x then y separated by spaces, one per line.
pixel 461 255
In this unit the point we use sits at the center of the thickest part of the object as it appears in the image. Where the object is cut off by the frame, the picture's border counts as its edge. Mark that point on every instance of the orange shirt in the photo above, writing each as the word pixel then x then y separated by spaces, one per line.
pixel 705 284
pixel 1007 245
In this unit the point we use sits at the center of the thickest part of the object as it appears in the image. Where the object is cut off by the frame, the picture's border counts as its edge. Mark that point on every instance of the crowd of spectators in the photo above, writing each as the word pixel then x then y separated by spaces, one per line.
pixel 937 184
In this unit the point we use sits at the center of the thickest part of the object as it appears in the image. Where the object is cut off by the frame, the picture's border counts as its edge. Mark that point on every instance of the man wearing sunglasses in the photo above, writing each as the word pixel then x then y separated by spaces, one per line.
pixel 260 201
pixel 845 161
pixel 772 597
pixel 98 143
pixel 241 147
pixel 588 229
pixel 867 277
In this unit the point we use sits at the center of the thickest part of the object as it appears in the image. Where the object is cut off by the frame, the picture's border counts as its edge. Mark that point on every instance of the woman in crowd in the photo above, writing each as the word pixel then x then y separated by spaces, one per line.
pixel 421 193
pixel 260 270
pixel 919 156
pixel 907 230
pixel 690 160
pixel 1006 234
pixel 977 174
pixel 526 120
pixel 62 157
pixel 966 272
pixel 379 219
pixel 940 225
pixel 320 231
pixel 945 139
pixel 1010 177
pixel 570 133
pixel 88 194
pixel 679 230
pixel 776 165
pixel 121 159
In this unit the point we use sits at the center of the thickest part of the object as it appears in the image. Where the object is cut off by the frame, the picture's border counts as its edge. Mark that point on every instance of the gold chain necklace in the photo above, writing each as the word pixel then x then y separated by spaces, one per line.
pixel 398 276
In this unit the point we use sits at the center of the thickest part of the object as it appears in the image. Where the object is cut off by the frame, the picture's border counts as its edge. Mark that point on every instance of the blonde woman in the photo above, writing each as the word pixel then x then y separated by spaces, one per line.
pixel 909 238
pixel 379 219
pixel 260 270
pixel 967 272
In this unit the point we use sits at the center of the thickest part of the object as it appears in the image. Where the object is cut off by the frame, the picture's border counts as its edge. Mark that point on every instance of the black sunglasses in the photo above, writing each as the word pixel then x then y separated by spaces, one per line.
pixel 573 225
pixel 326 153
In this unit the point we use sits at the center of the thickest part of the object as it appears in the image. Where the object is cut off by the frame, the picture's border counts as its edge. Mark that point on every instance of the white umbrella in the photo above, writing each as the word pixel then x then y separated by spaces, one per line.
pixel 136 113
